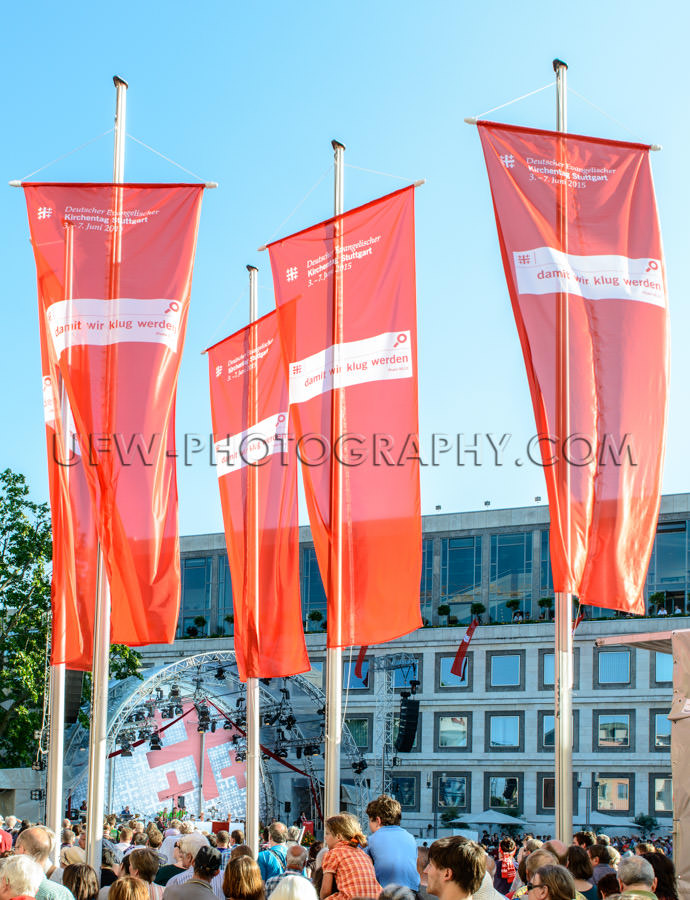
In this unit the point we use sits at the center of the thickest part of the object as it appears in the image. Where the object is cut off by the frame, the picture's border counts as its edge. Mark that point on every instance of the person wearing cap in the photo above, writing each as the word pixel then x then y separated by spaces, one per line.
pixel 201 885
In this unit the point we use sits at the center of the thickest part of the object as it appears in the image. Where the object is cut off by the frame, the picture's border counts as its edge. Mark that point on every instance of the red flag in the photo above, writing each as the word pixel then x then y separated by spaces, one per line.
pixel 376 452
pixel 580 616
pixel 116 339
pixel 458 667
pixel 577 217
pixel 269 640
pixel 361 656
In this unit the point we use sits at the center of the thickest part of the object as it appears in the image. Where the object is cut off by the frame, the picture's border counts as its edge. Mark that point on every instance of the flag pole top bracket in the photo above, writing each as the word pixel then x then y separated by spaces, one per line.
pixel 211 184
pixel 337 144
pixel 558 64
pixel 652 147
pixel 252 268
pixel 117 81
pixel 471 120
pixel 14 183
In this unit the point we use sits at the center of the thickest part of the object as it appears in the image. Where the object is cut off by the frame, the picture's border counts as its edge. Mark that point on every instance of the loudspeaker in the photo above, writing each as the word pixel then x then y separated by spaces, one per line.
pixel 180 801
pixel 73 682
pixel 409 717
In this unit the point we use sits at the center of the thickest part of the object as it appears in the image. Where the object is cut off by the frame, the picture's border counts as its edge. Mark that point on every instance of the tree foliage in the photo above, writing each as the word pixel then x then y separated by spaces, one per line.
pixel 25 568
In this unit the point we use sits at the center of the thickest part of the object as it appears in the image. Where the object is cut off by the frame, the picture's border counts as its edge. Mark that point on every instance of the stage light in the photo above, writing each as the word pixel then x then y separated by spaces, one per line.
pixel 290 721
pixel 298 752
pixel 175 690
pixel 202 727
pixel 414 684
pixel 155 743
pixel 281 754
pixel 213 726
pixel 227 725
pixel 281 736
pixel 178 710
pixel 220 674
pixel 285 692
pixel 265 681
pixel 359 766
pixel 240 756
pixel 322 710
pixel 239 702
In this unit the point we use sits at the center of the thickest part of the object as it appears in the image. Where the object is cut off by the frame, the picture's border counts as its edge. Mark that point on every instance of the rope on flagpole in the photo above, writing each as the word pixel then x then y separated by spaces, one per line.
pixel 65 155
pixel 209 184
pixel 516 100
pixel 375 172
pixel 242 294
pixel 287 219
pixel 347 689
pixel 615 121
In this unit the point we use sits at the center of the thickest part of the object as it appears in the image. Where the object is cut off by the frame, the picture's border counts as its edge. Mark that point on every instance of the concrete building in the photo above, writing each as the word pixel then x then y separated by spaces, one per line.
pixel 486 740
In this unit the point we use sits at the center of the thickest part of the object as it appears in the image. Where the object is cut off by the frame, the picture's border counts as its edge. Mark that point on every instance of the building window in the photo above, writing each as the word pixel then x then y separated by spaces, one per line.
pixel 426 583
pixel 503 791
pixel 360 729
pixel 612 668
pixel 546 579
pixel 546 739
pixel 613 730
pixel 453 731
pixel 663 669
pixel 461 576
pixel 446 680
pixel 510 578
pixel 196 597
pixel 226 613
pixel 668 564
pixel 408 673
pixel 614 792
pixel 504 731
pixel 548 793
pixel 315 674
pixel 661 794
pixel 547 670
pixel 505 670
pixel 351 681
pixel 405 789
pixel 659 731
pixel 451 789
pixel 311 589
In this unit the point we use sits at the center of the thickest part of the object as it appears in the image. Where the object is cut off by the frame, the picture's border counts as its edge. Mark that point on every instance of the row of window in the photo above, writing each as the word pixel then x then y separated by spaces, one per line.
pixel 505 671
pixel 509 591
pixel 610 792
pixel 612 731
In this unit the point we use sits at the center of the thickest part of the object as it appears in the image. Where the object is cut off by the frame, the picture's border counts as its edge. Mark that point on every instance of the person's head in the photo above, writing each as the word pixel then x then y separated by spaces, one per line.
pixel 604 839
pixel 126 834
pixel 644 847
pixel 599 854
pixel 144 864
pixel 20 875
pixel 110 857
pixel 397 892
pixel 608 885
pixel 10 822
pixel 237 836
pixel 636 870
pixel 155 838
pixel 536 860
pixel 584 839
pixel 551 883
pixel 665 874
pixel 578 863
pixel 186 827
pixel 384 810
pixel 343 827
pixel 128 888
pixel 296 857
pixel 71 856
pixel 222 839
pixel 241 850
pixel 507 845
pixel 277 833
pixel 139 827
pixel 242 879
pixel 293 833
pixel 207 863
pixel 67 836
pixel 140 840
pixel 81 880
pixel 37 843
pixel 81 839
pixel 294 889
pixel 558 848
pixel 189 845
pixel 422 862
pixel 456 867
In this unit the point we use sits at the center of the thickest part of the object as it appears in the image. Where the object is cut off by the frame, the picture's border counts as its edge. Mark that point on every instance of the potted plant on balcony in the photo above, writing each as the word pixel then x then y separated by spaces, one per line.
pixel 444 610
pixel 546 603
pixel 477 610
pixel 315 616
pixel 514 606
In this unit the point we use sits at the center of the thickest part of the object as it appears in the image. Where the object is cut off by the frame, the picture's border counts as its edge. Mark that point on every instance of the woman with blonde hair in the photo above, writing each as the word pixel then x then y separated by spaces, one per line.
pixel 242 879
pixel 128 888
pixel 347 870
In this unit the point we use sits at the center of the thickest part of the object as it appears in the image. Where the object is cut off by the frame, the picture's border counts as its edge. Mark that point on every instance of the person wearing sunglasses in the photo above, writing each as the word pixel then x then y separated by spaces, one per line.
pixel 551 883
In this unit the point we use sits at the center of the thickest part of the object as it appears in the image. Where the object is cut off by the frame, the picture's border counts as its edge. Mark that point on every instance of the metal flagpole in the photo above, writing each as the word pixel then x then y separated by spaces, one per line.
pixel 563 656
pixel 334 654
pixel 101 642
pixel 253 722
pixel 56 732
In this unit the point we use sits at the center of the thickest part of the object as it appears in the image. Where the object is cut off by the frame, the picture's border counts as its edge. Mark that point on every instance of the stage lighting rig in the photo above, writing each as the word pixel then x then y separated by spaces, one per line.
pixel 175 690
pixel 155 742
pixel 359 766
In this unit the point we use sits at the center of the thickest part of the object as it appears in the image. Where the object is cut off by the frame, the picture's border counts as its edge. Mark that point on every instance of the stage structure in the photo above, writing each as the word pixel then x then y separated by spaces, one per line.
pixel 178 739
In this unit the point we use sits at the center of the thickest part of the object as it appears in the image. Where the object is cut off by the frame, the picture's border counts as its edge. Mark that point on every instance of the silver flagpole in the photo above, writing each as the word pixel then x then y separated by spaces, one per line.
pixel 56 733
pixel 101 640
pixel 563 657
pixel 253 723
pixel 334 654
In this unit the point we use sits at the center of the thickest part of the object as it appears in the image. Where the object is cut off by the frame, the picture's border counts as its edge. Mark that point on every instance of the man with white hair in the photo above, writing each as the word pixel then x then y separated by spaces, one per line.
pixel 189 846
pixel 295 861
pixel 20 877
pixel 37 843
pixel 636 878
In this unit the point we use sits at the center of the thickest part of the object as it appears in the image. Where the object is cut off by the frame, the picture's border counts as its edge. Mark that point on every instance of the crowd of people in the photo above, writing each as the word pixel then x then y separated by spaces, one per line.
pixel 162 861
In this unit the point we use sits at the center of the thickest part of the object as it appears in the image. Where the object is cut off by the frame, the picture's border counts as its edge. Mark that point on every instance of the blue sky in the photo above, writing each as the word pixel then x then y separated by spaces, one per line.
pixel 250 95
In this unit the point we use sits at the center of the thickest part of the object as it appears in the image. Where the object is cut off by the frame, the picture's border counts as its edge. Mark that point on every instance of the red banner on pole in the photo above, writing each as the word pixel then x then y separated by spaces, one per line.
pixel 115 338
pixel 269 635
pixel 459 663
pixel 577 216
pixel 366 257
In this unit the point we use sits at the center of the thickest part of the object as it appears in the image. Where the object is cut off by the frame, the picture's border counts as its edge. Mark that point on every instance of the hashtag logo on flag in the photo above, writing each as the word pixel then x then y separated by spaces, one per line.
pixel 291 273
pixel 219 371
pixel 44 212
pixel 508 160
pixel 523 259
pixel 296 369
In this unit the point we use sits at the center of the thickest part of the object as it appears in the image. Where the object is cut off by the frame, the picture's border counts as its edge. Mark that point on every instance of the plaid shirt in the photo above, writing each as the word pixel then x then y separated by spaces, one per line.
pixel 353 872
